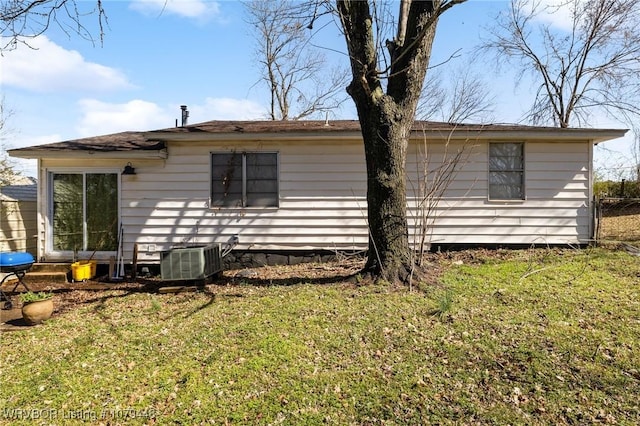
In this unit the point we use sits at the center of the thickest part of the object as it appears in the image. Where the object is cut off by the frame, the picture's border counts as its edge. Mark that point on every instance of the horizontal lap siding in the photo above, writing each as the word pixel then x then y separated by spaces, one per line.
pixel 321 201
pixel 18 226
pixel 556 209
pixel 323 204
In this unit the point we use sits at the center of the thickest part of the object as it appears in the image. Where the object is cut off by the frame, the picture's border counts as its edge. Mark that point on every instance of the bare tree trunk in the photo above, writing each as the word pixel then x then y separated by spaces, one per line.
pixel 385 141
pixel 386 119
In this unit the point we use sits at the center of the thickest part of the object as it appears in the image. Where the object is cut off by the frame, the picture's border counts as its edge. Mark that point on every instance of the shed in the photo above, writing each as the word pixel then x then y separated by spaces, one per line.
pixel 18 215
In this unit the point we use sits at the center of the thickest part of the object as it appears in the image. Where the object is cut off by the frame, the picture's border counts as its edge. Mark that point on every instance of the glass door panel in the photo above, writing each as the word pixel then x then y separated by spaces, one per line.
pixel 67 212
pixel 85 211
pixel 102 211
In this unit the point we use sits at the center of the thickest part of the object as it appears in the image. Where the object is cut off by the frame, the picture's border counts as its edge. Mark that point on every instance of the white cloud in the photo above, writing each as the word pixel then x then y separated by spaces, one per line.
pixel 101 118
pixel 200 10
pixel 558 13
pixel 47 67
pixel 226 109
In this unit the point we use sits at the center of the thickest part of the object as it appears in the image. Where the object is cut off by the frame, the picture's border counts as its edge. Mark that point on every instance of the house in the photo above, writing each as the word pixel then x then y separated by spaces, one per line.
pixel 299 187
pixel 18 225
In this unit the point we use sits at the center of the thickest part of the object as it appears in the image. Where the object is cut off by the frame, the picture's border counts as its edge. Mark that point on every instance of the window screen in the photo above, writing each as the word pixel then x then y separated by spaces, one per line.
pixel 506 171
pixel 247 179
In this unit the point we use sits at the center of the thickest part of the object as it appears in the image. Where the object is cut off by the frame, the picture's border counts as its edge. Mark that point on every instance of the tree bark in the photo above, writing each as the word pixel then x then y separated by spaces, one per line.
pixel 385 142
pixel 386 119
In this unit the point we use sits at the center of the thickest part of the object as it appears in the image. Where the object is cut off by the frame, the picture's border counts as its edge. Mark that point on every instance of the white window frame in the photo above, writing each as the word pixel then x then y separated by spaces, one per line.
pixel 50 253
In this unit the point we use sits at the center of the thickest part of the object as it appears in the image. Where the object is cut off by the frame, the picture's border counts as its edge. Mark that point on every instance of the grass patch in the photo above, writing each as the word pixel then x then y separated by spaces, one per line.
pixel 532 337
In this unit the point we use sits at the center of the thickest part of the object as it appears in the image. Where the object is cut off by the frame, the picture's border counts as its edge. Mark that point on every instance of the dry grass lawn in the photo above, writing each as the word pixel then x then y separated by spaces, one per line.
pixel 533 337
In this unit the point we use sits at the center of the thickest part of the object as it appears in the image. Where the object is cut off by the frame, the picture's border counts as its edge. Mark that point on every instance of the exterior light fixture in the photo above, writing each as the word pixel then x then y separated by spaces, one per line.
pixel 129 170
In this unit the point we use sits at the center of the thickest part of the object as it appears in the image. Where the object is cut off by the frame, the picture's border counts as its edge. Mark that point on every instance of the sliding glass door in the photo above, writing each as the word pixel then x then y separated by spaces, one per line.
pixel 84 212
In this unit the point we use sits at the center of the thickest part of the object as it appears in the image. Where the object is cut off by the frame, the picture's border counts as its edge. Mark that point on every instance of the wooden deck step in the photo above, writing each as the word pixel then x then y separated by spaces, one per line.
pixel 50 267
pixel 35 278
pixel 46 276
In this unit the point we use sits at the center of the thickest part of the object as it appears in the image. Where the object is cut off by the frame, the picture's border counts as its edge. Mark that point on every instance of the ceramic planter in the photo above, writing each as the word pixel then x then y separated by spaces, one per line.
pixel 38 311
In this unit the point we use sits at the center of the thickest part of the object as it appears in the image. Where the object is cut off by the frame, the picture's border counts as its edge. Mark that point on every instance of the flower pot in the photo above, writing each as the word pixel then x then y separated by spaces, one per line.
pixel 36 312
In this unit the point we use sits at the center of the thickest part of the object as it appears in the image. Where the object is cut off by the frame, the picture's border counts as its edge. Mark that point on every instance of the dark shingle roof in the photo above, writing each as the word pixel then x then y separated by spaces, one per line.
pixel 267 126
pixel 125 141
pixel 154 140
pixel 303 126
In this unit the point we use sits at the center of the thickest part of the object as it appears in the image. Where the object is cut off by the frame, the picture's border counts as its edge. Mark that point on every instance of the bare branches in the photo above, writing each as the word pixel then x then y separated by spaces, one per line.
pixel 591 65
pixel 293 70
pixel 21 20
pixel 463 97
pixel 435 176
pixel 7 167
pixel 423 16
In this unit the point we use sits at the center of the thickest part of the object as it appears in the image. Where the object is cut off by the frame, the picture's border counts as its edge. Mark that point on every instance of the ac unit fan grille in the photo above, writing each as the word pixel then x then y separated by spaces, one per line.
pixel 190 263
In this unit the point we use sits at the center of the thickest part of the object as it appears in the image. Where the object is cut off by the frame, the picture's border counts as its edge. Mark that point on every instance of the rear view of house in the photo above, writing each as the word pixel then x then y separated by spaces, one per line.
pixel 300 187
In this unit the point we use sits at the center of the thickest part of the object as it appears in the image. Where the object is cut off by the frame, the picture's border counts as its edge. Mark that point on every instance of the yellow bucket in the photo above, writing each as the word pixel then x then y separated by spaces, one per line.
pixel 83 270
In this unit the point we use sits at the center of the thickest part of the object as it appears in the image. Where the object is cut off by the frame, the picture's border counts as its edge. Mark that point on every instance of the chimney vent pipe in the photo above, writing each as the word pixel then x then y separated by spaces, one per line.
pixel 185 115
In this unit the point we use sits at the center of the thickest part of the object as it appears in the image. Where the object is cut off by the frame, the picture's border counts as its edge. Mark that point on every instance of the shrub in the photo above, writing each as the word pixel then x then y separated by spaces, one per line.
pixel 622 189
pixel 30 296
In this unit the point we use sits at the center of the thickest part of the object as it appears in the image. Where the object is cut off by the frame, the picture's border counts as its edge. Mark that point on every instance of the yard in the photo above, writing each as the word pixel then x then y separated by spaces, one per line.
pixel 499 337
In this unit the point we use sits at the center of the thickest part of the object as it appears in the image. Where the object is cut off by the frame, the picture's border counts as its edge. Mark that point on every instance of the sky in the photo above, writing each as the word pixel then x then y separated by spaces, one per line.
pixel 157 55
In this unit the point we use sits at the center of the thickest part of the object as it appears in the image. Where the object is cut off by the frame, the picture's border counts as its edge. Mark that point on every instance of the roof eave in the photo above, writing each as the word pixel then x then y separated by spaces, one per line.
pixel 115 155
pixel 593 135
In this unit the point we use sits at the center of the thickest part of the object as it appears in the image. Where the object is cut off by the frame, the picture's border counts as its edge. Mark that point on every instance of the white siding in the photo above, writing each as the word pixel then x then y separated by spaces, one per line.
pixel 323 205
pixel 321 196
pixel 18 210
pixel 18 226
pixel 556 209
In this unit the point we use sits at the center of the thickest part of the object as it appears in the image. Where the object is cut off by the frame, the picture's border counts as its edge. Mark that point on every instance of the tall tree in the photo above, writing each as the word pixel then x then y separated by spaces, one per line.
pixel 21 20
pixel 296 73
pixel 589 64
pixel 387 79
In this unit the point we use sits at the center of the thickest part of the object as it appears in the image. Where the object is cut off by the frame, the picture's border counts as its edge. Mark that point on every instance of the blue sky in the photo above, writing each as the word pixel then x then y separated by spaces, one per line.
pixel 157 56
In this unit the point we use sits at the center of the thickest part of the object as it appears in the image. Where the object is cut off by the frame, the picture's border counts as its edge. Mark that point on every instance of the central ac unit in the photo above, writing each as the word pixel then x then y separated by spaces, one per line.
pixel 190 263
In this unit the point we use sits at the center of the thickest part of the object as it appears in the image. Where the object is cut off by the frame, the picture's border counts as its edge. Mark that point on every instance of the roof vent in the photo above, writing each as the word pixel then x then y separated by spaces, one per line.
pixel 185 115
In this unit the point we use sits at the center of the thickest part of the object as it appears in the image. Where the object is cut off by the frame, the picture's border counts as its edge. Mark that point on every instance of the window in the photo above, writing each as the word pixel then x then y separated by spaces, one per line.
pixel 244 179
pixel 506 171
